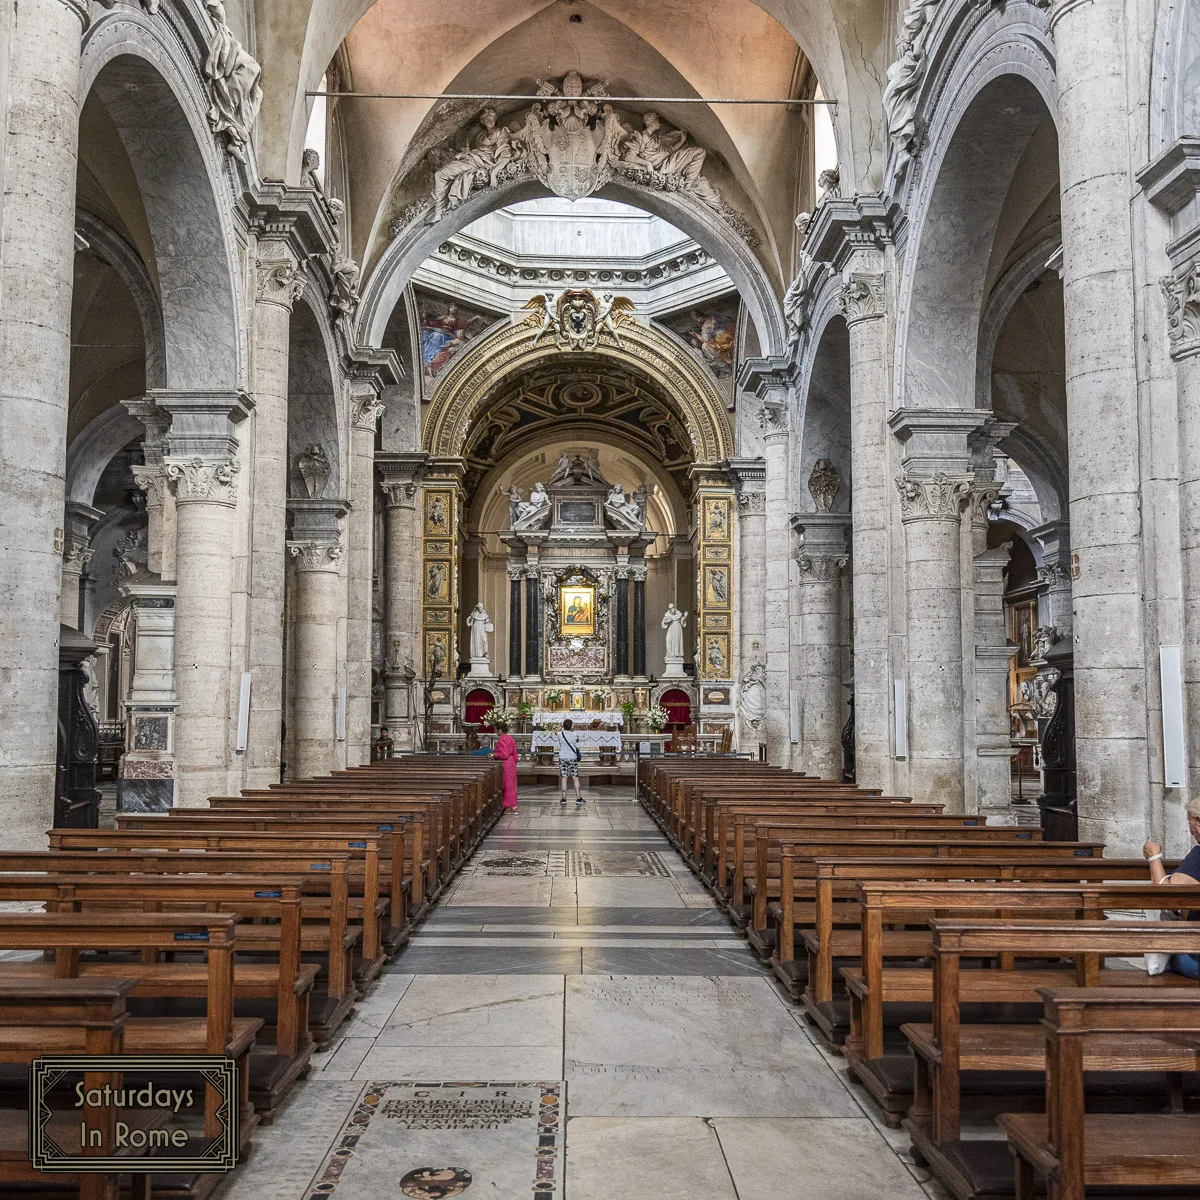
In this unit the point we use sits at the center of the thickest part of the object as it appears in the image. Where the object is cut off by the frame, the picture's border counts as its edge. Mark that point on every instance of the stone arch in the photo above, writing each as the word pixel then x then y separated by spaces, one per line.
pixel 157 104
pixel 994 94
pixel 417 241
pixel 825 428
pixel 465 386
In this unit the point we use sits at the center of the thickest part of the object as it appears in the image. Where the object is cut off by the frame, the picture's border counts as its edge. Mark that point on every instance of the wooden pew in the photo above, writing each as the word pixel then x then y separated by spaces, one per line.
pixel 61 1016
pixel 830 927
pixel 165 836
pixel 967 1166
pixel 1073 1148
pixel 324 929
pixel 873 984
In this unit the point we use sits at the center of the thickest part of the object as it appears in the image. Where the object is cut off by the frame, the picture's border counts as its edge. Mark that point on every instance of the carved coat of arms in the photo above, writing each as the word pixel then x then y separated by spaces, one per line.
pixel 570 138
pixel 578 316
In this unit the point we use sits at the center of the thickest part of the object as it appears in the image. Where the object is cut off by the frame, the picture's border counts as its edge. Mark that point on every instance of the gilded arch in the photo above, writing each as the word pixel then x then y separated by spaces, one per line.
pixel 466 385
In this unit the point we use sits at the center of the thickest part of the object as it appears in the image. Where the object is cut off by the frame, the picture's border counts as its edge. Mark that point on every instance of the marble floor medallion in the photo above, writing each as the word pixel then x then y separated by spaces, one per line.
pixel 514 864
pixel 432 1140
pixel 647 864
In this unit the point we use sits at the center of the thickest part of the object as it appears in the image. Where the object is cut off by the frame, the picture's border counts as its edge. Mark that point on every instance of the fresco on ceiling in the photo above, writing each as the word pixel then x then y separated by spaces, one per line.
pixel 711 330
pixel 447 328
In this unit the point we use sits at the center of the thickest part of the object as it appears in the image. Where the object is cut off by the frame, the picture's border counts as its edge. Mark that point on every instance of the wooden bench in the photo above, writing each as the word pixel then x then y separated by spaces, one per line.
pixel 1075 1149
pixel 944 1051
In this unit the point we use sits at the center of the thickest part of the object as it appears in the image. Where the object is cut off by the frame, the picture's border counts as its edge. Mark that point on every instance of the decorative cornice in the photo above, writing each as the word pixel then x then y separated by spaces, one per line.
pixel 202 423
pixel 932 498
pixel 199 480
pixel 862 297
pixel 279 281
pixel 316 556
pixel 297 217
pixel 1182 293
pixel 842 227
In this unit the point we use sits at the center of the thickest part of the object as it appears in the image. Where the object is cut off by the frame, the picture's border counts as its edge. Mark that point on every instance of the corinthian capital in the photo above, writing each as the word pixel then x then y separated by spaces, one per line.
pixel 315 556
pixel 1183 310
pixel 152 481
pixel 279 281
pixel 367 411
pixel 772 420
pixel 982 497
pixel 199 480
pixel 932 498
pixel 400 493
pixel 862 296
pixel 819 568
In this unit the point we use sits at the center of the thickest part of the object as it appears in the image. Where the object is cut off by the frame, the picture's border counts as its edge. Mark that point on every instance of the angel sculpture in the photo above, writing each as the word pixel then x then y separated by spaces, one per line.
pixel 540 314
pixel 614 311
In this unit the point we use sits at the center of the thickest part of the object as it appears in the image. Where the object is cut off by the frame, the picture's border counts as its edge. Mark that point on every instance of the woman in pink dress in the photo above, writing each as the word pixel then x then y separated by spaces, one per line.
pixel 506 752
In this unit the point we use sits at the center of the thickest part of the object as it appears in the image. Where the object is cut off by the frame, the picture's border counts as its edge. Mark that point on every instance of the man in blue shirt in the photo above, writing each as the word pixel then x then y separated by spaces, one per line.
pixel 1187 873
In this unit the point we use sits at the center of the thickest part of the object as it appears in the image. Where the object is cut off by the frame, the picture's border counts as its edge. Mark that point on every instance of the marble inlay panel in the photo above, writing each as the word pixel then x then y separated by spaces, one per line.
pixel 507 1136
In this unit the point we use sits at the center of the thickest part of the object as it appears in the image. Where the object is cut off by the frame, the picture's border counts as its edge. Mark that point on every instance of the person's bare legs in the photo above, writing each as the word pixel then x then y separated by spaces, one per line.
pixel 578 794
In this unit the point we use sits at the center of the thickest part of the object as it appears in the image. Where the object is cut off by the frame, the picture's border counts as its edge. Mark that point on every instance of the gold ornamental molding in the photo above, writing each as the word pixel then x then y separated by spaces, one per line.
pixel 466 385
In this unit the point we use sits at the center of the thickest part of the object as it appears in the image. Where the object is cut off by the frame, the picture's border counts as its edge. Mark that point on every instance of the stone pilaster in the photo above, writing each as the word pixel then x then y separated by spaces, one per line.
pixel 1054 609
pixel 203 474
pixel 1101 306
pixel 514 621
pixel 638 575
pixel 934 489
pixel 78 523
pixel 37 245
pixel 279 283
pixel 366 409
pixel 993 653
pixel 821 556
pixel 315 548
pixel 773 421
pixel 749 479
pixel 863 307
pixel 151 478
pixel 400 480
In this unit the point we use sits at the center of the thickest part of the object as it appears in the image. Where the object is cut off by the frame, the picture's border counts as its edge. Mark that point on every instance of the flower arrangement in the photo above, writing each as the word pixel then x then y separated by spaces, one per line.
pixel 597 700
pixel 554 697
pixel 627 711
pixel 658 718
pixel 496 715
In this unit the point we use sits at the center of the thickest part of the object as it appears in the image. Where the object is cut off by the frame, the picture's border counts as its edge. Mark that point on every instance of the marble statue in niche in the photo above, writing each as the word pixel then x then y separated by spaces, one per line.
pixel 480 625
pixel 673 622
pixel 753 695
pixel 824 484
pixel 234 84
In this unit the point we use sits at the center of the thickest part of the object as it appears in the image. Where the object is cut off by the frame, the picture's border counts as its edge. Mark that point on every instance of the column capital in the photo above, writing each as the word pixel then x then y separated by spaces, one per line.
pixel 400 476
pixel 821 549
pixel 938 497
pixel 772 418
pixel 980 500
pixel 366 409
pixel 203 480
pixel 1182 292
pixel 751 502
pixel 862 297
pixel 748 478
pixel 153 481
pixel 316 556
pixel 278 279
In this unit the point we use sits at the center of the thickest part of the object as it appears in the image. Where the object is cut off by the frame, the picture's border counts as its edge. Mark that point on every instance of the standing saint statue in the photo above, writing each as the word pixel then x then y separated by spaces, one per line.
pixel 480 625
pixel 673 622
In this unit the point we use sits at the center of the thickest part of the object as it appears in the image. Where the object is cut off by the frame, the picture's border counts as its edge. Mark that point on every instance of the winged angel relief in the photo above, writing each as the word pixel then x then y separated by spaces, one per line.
pixel 572 141
pixel 577 317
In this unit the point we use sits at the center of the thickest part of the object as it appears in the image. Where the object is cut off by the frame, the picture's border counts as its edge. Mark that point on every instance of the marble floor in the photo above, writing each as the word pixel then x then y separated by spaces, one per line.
pixel 577 1020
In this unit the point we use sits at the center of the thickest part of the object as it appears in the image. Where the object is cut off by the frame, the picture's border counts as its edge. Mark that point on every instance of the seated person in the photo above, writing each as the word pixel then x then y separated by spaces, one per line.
pixel 1188 873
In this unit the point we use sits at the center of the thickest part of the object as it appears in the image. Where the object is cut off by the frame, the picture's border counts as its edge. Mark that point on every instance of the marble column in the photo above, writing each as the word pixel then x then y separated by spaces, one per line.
pixel 366 408
pixel 514 622
pixel 533 626
pixel 279 284
pixel 773 420
pixel 638 575
pixel 316 550
pixel 934 488
pixel 821 557
pixel 400 479
pixel 621 622
pixel 203 471
pixel 79 521
pixel 37 244
pixel 748 476
pixel 1101 307
pixel 863 309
